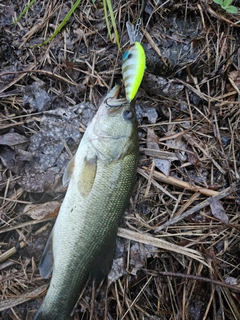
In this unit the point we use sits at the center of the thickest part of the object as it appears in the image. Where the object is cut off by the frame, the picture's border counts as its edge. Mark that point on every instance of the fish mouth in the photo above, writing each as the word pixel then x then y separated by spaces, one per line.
pixel 112 100
pixel 115 91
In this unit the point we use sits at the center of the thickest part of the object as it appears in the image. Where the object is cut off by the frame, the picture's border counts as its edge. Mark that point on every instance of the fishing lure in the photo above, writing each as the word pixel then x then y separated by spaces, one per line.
pixel 133 66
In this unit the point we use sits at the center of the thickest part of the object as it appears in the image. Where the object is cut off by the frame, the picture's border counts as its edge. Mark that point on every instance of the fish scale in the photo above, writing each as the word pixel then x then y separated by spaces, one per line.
pixel 83 238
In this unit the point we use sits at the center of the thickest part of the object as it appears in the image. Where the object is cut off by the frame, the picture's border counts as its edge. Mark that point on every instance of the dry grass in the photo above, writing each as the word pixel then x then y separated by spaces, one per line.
pixel 180 239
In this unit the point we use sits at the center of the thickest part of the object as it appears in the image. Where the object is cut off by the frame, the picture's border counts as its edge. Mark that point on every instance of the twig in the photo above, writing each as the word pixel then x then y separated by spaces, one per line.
pixel 12 302
pixel 198 207
pixel 24 224
pixel 159 243
pixel 154 46
pixel 145 175
pixel 235 288
pixel 31 70
pixel 22 74
pixel 179 183
pixel 12 251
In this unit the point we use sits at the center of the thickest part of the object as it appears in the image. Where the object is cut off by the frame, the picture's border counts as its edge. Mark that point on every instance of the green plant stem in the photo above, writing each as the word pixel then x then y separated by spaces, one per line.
pixel 109 4
pixel 106 18
pixel 24 11
pixel 62 24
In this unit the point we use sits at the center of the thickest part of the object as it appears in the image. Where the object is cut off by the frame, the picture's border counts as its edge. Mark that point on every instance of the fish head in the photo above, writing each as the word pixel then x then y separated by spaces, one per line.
pixel 115 126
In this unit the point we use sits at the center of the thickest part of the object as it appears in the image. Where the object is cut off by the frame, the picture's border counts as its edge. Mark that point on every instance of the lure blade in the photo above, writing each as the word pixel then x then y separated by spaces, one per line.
pixel 133 66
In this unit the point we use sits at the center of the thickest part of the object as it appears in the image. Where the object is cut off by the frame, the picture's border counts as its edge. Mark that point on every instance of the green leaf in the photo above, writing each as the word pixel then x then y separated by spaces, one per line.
pixel 218 2
pixel 232 9
pixel 226 3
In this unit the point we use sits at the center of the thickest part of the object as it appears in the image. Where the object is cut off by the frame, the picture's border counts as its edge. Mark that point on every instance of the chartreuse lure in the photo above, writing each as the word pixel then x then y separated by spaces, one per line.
pixel 133 67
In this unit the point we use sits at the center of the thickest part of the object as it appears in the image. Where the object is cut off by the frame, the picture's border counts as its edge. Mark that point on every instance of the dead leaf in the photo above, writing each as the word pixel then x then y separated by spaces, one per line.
pixel 234 78
pixel 178 144
pixel 139 254
pixel 42 210
pixel 118 270
pixel 37 98
pixel 151 114
pixel 146 112
pixel 152 143
pixel 7 156
pixel 10 144
pixel 155 85
pixel 118 266
pixel 217 210
pixel 192 157
pixel 13 139
pixel 152 139
pixel 231 280
pixel 163 166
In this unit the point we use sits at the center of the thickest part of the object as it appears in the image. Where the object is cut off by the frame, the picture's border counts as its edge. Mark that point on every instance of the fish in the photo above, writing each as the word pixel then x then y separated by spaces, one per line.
pixel 100 180
pixel 133 67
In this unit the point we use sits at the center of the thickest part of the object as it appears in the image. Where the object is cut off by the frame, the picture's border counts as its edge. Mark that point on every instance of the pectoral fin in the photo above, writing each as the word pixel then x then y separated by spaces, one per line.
pixel 68 172
pixel 46 263
pixel 87 176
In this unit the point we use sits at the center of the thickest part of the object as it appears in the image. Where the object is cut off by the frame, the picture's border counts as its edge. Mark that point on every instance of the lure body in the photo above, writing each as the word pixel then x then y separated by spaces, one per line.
pixel 133 67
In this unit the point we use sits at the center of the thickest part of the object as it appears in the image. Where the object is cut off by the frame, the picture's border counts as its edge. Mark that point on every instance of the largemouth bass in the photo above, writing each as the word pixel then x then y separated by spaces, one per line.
pixel 82 243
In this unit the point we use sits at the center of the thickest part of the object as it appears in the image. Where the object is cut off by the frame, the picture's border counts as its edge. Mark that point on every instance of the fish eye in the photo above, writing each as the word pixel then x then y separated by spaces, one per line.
pixel 127 115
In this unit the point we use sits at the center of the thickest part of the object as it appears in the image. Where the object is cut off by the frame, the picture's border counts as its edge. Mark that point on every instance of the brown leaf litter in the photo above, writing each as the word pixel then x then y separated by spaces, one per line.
pixel 177 254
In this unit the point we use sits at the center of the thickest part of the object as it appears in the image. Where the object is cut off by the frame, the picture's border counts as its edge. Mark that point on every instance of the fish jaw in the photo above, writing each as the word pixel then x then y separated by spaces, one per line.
pixel 113 93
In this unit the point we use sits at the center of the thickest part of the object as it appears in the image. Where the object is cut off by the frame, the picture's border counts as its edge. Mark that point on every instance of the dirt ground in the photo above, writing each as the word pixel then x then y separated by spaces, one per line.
pixel 178 250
